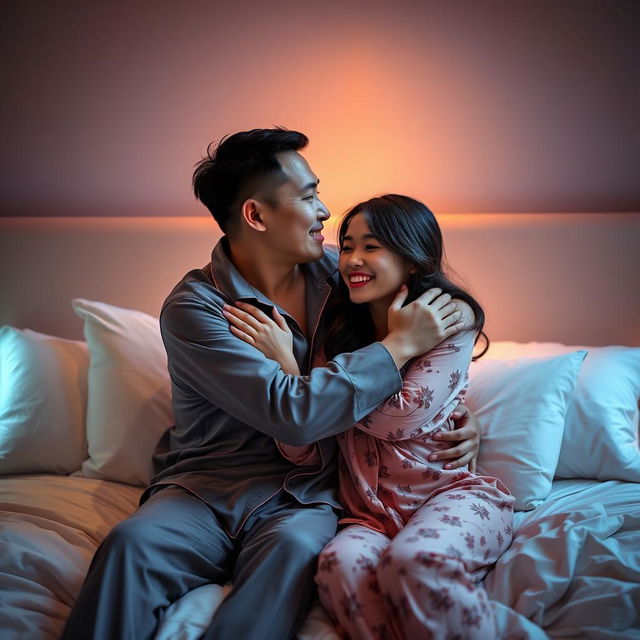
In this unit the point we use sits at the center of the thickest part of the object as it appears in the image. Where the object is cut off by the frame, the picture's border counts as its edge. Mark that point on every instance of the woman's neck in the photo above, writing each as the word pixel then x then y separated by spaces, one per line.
pixel 379 310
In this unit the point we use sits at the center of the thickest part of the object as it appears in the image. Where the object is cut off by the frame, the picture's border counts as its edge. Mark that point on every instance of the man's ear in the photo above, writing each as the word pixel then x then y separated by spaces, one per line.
pixel 252 214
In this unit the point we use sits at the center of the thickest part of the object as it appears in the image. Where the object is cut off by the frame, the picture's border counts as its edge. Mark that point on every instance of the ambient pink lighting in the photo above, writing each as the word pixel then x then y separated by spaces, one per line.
pixel 472 107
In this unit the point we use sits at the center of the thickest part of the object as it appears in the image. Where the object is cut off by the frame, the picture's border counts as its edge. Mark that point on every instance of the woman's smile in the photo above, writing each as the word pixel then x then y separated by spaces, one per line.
pixel 358 279
pixel 364 260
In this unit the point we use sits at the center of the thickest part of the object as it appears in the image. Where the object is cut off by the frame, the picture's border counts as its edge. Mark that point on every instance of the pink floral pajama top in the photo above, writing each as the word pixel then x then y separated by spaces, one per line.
pixel 385 474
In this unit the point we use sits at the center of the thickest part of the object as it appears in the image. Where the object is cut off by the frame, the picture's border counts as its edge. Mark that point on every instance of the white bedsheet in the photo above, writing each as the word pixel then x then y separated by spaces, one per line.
pixel 573 568
pixel 574 565
pixel 50 527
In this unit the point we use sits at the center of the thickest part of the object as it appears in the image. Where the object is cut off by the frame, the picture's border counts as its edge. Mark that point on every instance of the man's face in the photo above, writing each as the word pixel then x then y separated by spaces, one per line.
pixel 294 225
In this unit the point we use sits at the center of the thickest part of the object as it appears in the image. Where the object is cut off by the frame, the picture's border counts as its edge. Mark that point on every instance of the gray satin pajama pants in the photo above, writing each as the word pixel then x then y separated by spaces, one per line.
pixel 174 543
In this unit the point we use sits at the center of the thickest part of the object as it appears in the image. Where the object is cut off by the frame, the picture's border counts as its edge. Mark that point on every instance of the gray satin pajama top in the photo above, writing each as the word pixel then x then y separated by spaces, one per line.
pixel 230 402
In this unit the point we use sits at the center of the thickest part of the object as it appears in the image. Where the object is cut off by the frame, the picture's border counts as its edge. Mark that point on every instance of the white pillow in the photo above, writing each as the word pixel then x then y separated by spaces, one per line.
pixel 521 405
pixel 43 391
pixel 601 431
pixel 129 399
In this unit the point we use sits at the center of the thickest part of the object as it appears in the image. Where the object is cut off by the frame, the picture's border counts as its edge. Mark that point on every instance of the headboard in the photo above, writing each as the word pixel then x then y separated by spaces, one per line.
pixel 570 278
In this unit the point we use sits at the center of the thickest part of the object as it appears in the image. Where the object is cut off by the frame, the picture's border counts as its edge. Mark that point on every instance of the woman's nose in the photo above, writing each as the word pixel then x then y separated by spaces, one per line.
pixel 355 259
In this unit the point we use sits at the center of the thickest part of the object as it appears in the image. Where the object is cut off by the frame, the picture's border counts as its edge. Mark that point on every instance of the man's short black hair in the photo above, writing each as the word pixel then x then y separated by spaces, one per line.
pixel 240 166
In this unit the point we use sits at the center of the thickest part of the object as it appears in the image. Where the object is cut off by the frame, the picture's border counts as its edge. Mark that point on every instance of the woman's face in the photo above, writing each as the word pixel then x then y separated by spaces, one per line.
pixel 371 272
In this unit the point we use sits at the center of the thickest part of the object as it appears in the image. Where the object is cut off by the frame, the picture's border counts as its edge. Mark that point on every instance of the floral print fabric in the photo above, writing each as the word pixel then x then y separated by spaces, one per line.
pixel 421 583
pixel 420 536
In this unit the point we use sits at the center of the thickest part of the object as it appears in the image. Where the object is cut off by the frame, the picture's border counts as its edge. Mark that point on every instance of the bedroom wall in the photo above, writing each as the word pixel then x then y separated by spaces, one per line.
pixel 493 106
pixel 499 106
pixel 539 276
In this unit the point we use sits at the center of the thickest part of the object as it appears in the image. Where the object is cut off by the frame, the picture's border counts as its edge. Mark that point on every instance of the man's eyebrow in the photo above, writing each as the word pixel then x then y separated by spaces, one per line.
pixel 311 185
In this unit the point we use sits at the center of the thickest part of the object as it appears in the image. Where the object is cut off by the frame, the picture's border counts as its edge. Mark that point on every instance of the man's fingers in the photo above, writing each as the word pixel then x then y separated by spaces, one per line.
pixel 453 455
pixel 401 296
pixel 453 319
pixel 449 310
pixel 461 411
pixel 454 452
pixel 430 295
pixel 472 465
pixel 441 301
pixel 460 462
pixel 455 435
pixel 453 329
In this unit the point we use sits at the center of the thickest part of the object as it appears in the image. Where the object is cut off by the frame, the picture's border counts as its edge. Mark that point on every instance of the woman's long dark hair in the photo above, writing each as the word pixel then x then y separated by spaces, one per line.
pixel 409 229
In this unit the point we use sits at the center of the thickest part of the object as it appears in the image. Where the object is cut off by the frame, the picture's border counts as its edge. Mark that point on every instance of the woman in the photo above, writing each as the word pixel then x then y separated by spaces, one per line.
pixel 417 537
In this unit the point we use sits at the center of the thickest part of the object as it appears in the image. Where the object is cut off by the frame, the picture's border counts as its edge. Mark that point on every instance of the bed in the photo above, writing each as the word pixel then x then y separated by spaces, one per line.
pixel 84 396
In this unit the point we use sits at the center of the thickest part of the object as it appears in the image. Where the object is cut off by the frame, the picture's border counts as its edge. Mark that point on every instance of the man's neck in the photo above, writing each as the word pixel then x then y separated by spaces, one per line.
pixel 277 280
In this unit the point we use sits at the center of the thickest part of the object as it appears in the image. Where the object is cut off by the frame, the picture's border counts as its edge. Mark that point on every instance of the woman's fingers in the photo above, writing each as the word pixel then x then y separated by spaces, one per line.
pixel 249 319
pixel 254 311
pixel 245 323
pixel 238 313
pixel 242 335
pixel 280 321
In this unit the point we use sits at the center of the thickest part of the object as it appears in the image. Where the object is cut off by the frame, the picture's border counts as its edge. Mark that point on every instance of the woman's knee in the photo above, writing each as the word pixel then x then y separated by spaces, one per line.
pixel 336 558
pixel 400 564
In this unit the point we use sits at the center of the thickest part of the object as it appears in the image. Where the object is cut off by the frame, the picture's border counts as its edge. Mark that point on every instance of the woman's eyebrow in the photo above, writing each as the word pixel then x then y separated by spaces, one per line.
pixel 366 236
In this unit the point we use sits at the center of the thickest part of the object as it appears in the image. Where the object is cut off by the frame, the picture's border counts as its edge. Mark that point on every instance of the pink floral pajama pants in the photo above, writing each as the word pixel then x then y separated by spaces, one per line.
pixel 422 584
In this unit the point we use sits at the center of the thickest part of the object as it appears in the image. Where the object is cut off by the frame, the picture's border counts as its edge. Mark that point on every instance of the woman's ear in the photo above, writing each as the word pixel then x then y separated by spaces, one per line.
pixel 251 214
pixel 412 270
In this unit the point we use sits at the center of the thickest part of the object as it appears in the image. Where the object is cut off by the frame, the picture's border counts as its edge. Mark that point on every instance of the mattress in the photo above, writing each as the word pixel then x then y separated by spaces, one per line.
pixel 572 571
pixel 50 527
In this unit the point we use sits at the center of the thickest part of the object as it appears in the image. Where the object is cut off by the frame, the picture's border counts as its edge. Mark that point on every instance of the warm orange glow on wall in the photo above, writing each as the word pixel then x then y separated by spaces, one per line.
pixel 485 107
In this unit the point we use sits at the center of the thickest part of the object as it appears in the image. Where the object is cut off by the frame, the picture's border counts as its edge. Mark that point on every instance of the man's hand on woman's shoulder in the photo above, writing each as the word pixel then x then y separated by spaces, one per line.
pixel 468 316
pixel 419 326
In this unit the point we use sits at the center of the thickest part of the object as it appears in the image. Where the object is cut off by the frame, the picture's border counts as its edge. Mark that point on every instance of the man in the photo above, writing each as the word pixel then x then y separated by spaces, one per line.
pixel 225 504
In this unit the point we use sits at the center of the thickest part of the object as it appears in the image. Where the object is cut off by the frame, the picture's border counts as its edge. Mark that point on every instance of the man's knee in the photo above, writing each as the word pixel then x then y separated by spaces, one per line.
pixel 134 534
pixel 298 543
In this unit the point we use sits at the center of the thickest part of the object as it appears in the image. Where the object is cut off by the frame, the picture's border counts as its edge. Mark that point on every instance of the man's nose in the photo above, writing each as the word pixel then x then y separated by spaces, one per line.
pixel 323 211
